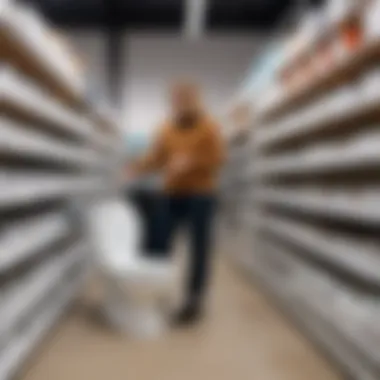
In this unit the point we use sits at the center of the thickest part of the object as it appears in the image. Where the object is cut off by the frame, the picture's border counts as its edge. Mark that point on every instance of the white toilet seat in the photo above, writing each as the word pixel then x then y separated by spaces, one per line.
pixel 136 284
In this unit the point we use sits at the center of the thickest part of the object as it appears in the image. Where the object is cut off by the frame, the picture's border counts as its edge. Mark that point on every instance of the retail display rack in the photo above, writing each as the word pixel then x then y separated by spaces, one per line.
pixel 56 150
pixel 314 171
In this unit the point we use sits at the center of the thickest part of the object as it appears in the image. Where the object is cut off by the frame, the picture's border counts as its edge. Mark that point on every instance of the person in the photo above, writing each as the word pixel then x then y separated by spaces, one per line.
pixel 190 151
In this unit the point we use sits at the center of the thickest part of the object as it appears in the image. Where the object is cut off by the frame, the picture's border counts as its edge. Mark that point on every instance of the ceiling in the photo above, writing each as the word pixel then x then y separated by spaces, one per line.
pixel 230 15
pixel 114 16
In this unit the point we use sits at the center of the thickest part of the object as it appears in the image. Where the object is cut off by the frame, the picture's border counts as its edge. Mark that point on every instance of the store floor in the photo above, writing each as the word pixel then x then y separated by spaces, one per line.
pixel 243 338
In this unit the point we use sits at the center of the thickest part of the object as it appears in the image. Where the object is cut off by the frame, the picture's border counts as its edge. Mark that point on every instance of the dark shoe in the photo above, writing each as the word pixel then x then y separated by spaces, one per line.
pixel 188 316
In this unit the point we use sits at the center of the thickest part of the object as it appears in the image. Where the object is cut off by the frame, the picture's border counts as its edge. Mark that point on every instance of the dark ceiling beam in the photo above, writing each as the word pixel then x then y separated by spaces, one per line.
pixel 139 14
pixel 246 15
pixel 114 33
pixel 72 13
pixel 164 14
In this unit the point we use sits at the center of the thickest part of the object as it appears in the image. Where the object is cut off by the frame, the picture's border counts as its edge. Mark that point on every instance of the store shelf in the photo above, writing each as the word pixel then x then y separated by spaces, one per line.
pixel 17 189
pixel 344 70
pixel 353 313
pixel 339 160
pixel 55 153
pixel 361 260
pixel 16 140
pixel 18 301
pixel 314 203
pixel 304 124
pixel 22 97
pixel 328 30
pixel 22 346
pixel 104 118
pixel 338 207
pixel 30 52
pixel 37 233
pixel 302 305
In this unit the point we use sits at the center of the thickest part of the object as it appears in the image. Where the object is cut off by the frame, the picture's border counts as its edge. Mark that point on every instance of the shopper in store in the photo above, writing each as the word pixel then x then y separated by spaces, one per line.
pixel 189 151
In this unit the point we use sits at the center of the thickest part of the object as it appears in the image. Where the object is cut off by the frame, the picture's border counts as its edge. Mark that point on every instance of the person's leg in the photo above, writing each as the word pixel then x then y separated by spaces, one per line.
pixel 200 218
pixel 167 217
pixel 154 214
pixel 143 201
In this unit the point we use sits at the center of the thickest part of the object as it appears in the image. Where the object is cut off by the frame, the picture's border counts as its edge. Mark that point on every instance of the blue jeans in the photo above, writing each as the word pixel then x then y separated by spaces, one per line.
pixel 195 213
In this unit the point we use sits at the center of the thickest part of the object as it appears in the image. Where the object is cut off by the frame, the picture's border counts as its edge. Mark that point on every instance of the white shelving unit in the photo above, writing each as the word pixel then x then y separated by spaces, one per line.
pixel 233 184
pixel 56 149
pixel 22 344
pixel 314 199
pixel 37 232
pixel 340 321
pixel 358 258
pixel 27 44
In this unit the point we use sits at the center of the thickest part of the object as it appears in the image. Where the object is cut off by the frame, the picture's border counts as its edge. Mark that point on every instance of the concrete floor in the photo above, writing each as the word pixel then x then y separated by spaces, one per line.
pixel 242 338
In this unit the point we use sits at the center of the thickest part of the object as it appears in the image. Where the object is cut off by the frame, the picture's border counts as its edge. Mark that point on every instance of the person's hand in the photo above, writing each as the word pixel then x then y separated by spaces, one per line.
pixel 179 164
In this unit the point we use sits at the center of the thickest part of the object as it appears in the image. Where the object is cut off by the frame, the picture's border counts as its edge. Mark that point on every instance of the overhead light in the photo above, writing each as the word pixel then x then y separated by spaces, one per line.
pixel 195 18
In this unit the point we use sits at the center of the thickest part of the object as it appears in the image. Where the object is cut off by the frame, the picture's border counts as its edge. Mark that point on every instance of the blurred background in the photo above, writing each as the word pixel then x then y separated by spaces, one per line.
pixel 295 87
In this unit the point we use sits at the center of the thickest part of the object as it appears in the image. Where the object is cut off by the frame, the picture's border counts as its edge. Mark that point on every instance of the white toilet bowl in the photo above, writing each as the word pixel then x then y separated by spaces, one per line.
pixel 137 289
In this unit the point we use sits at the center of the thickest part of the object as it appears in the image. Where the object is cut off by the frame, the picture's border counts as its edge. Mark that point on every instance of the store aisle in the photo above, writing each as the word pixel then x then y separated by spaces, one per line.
pixel 242 338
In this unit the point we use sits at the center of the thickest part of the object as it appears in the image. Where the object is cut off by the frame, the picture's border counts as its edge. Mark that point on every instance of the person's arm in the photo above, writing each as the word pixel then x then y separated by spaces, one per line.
pixel 155 158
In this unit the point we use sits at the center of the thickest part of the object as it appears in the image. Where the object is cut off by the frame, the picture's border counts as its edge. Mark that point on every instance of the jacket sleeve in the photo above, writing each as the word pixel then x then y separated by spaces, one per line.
pixel 156 157
pixel 213 151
